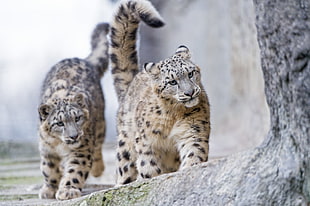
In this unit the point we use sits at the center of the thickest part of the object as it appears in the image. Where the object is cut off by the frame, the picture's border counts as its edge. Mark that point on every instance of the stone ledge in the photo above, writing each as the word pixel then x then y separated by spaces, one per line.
pixel 149 192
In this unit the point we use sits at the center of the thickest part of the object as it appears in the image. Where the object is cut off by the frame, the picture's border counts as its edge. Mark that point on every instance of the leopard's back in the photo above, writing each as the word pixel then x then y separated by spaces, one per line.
pixel 70 77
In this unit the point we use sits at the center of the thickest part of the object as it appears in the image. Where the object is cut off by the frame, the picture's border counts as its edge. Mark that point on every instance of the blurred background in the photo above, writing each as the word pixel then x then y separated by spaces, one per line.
pixel 221 35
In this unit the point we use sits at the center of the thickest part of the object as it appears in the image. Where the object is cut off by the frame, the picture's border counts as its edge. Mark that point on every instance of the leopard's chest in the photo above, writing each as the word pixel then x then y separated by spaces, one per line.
pixel 156 120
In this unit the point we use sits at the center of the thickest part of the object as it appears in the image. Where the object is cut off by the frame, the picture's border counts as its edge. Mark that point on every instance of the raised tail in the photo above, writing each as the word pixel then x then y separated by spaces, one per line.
pixel 99 45
pixel 123 37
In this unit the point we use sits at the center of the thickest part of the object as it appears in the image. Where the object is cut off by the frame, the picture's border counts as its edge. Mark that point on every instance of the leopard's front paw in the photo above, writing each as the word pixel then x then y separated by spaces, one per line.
pixel 67 193
pixel 47 192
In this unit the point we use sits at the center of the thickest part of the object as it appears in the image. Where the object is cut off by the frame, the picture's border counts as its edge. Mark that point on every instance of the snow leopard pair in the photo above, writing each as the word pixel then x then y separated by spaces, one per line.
pixel 163 120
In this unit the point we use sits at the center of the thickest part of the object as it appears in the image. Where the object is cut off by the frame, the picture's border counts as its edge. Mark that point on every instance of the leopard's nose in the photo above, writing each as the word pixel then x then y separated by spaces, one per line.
pixel 189 92
pixel 74 137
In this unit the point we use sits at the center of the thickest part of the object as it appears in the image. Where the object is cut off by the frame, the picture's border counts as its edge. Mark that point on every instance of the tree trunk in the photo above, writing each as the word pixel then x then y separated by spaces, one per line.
pixel 283 29
pixel 278 171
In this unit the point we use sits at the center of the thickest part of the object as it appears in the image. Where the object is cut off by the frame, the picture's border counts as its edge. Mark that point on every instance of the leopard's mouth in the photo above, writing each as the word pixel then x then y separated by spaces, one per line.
pixel 191 102
pixel 71 142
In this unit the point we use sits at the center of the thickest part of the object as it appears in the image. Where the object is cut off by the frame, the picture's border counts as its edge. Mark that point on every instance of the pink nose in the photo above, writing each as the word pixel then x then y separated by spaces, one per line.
pixel 73 136
pixel 189 93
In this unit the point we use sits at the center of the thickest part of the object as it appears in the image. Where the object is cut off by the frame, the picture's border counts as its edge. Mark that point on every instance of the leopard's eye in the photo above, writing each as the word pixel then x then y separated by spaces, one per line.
pixel 173 82
pixel 77 118
pixel 191 74
pixel 60 124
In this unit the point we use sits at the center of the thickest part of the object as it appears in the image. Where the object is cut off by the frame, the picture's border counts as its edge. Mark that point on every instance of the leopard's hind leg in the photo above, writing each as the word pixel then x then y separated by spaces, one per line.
pixel 98 164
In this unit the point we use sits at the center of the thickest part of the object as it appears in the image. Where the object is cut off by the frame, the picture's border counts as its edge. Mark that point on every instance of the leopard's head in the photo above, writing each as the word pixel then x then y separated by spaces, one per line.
pixel 177 78
pixel 65 118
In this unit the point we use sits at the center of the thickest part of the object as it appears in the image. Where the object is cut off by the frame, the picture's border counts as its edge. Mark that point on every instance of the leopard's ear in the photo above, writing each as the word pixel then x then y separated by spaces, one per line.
pixel 44 110
pixel 151 69
pixel 80 100
pixel 183 51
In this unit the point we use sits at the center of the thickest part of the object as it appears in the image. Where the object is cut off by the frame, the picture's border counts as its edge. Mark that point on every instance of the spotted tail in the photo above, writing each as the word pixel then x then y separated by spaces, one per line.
pixel 123 38
pixel 99 44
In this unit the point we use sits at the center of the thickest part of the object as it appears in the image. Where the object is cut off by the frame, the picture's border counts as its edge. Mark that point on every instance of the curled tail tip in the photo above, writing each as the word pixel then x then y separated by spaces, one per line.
pixel 101 29
pixel 155 22
pixel 143 10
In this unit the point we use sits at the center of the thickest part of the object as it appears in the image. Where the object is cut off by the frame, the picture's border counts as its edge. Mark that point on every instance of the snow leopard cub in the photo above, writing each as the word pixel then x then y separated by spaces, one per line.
pixel 72 124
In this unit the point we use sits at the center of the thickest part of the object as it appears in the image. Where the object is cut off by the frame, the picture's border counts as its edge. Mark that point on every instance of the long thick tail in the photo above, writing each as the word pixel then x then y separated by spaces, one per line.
pixel 122 40
pixel 99 43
